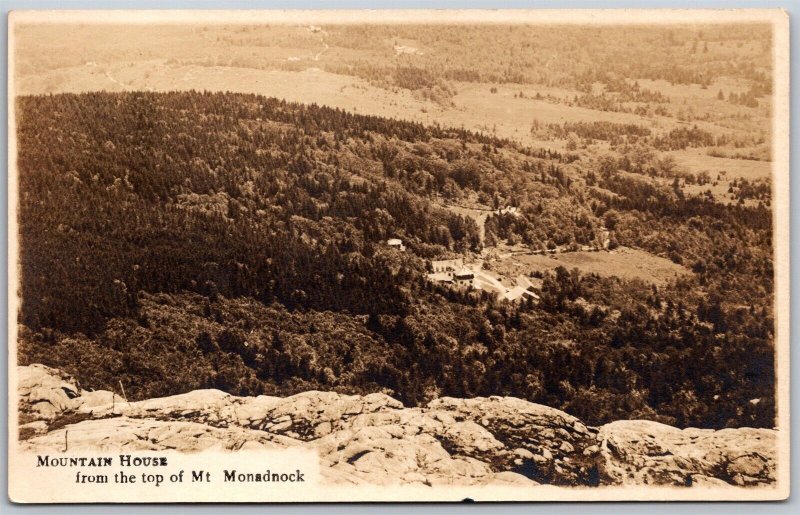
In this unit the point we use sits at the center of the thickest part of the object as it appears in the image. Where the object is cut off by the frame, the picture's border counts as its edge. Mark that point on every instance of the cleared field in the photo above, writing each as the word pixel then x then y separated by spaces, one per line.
pixel 512 117
pixel 727 170
pixel 474 107
pixel 697 160
pixel 290 62
pixel 623 262
pixel 702 107
pixel 310 85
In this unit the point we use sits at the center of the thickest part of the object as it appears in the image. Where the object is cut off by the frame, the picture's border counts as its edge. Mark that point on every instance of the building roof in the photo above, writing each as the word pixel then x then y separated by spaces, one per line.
pixel 514 293
pixel 518 292
pixel 482 284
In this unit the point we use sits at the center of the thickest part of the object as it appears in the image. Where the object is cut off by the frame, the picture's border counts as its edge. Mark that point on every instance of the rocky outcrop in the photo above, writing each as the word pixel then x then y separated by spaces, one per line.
pixel 46 392
pixel 375 439
pixel 644 452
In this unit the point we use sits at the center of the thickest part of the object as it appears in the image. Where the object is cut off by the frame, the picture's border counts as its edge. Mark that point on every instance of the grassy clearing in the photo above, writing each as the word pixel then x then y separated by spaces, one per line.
pixel 697 160
pixel 623 262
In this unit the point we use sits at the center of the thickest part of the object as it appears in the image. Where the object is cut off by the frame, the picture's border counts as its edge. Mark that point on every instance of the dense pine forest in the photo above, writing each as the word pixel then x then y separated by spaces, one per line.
pixel 176 241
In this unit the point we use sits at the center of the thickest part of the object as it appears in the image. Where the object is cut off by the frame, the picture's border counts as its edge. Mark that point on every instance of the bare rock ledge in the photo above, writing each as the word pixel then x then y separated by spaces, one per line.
pixel 375 439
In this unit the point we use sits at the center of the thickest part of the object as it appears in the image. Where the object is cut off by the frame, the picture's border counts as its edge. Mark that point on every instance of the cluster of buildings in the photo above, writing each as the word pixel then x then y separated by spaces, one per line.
pixel 451 271
pixel 455 273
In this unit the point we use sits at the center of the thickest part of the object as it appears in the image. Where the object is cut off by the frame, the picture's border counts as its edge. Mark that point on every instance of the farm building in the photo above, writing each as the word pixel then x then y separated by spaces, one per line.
pixel 450 271
pixel 396 243
pixel 464 276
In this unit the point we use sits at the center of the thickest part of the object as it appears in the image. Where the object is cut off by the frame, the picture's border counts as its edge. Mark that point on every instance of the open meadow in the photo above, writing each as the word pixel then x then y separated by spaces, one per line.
pixel 622 262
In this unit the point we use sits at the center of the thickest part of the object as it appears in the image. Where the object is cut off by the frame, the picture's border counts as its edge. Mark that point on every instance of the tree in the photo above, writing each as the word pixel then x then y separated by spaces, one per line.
pixel 206 343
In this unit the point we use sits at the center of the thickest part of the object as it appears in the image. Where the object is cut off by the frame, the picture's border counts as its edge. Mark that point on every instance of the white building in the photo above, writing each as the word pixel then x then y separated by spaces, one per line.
pixel 465 276
pixel 396 244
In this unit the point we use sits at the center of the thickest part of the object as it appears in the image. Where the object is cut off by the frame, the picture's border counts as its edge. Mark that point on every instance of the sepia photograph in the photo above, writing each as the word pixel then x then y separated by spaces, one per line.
pixel 291 256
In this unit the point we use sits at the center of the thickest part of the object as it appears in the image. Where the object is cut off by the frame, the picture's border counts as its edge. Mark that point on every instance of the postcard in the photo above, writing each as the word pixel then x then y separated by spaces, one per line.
pixel 292 256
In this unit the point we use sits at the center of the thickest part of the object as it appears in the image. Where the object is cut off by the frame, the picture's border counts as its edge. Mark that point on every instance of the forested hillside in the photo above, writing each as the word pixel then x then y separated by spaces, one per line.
pixel 175 241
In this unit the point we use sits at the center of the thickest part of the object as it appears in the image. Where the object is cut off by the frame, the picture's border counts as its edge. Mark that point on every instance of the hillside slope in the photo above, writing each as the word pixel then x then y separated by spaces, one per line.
pixel 182 241
pixel 375 439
